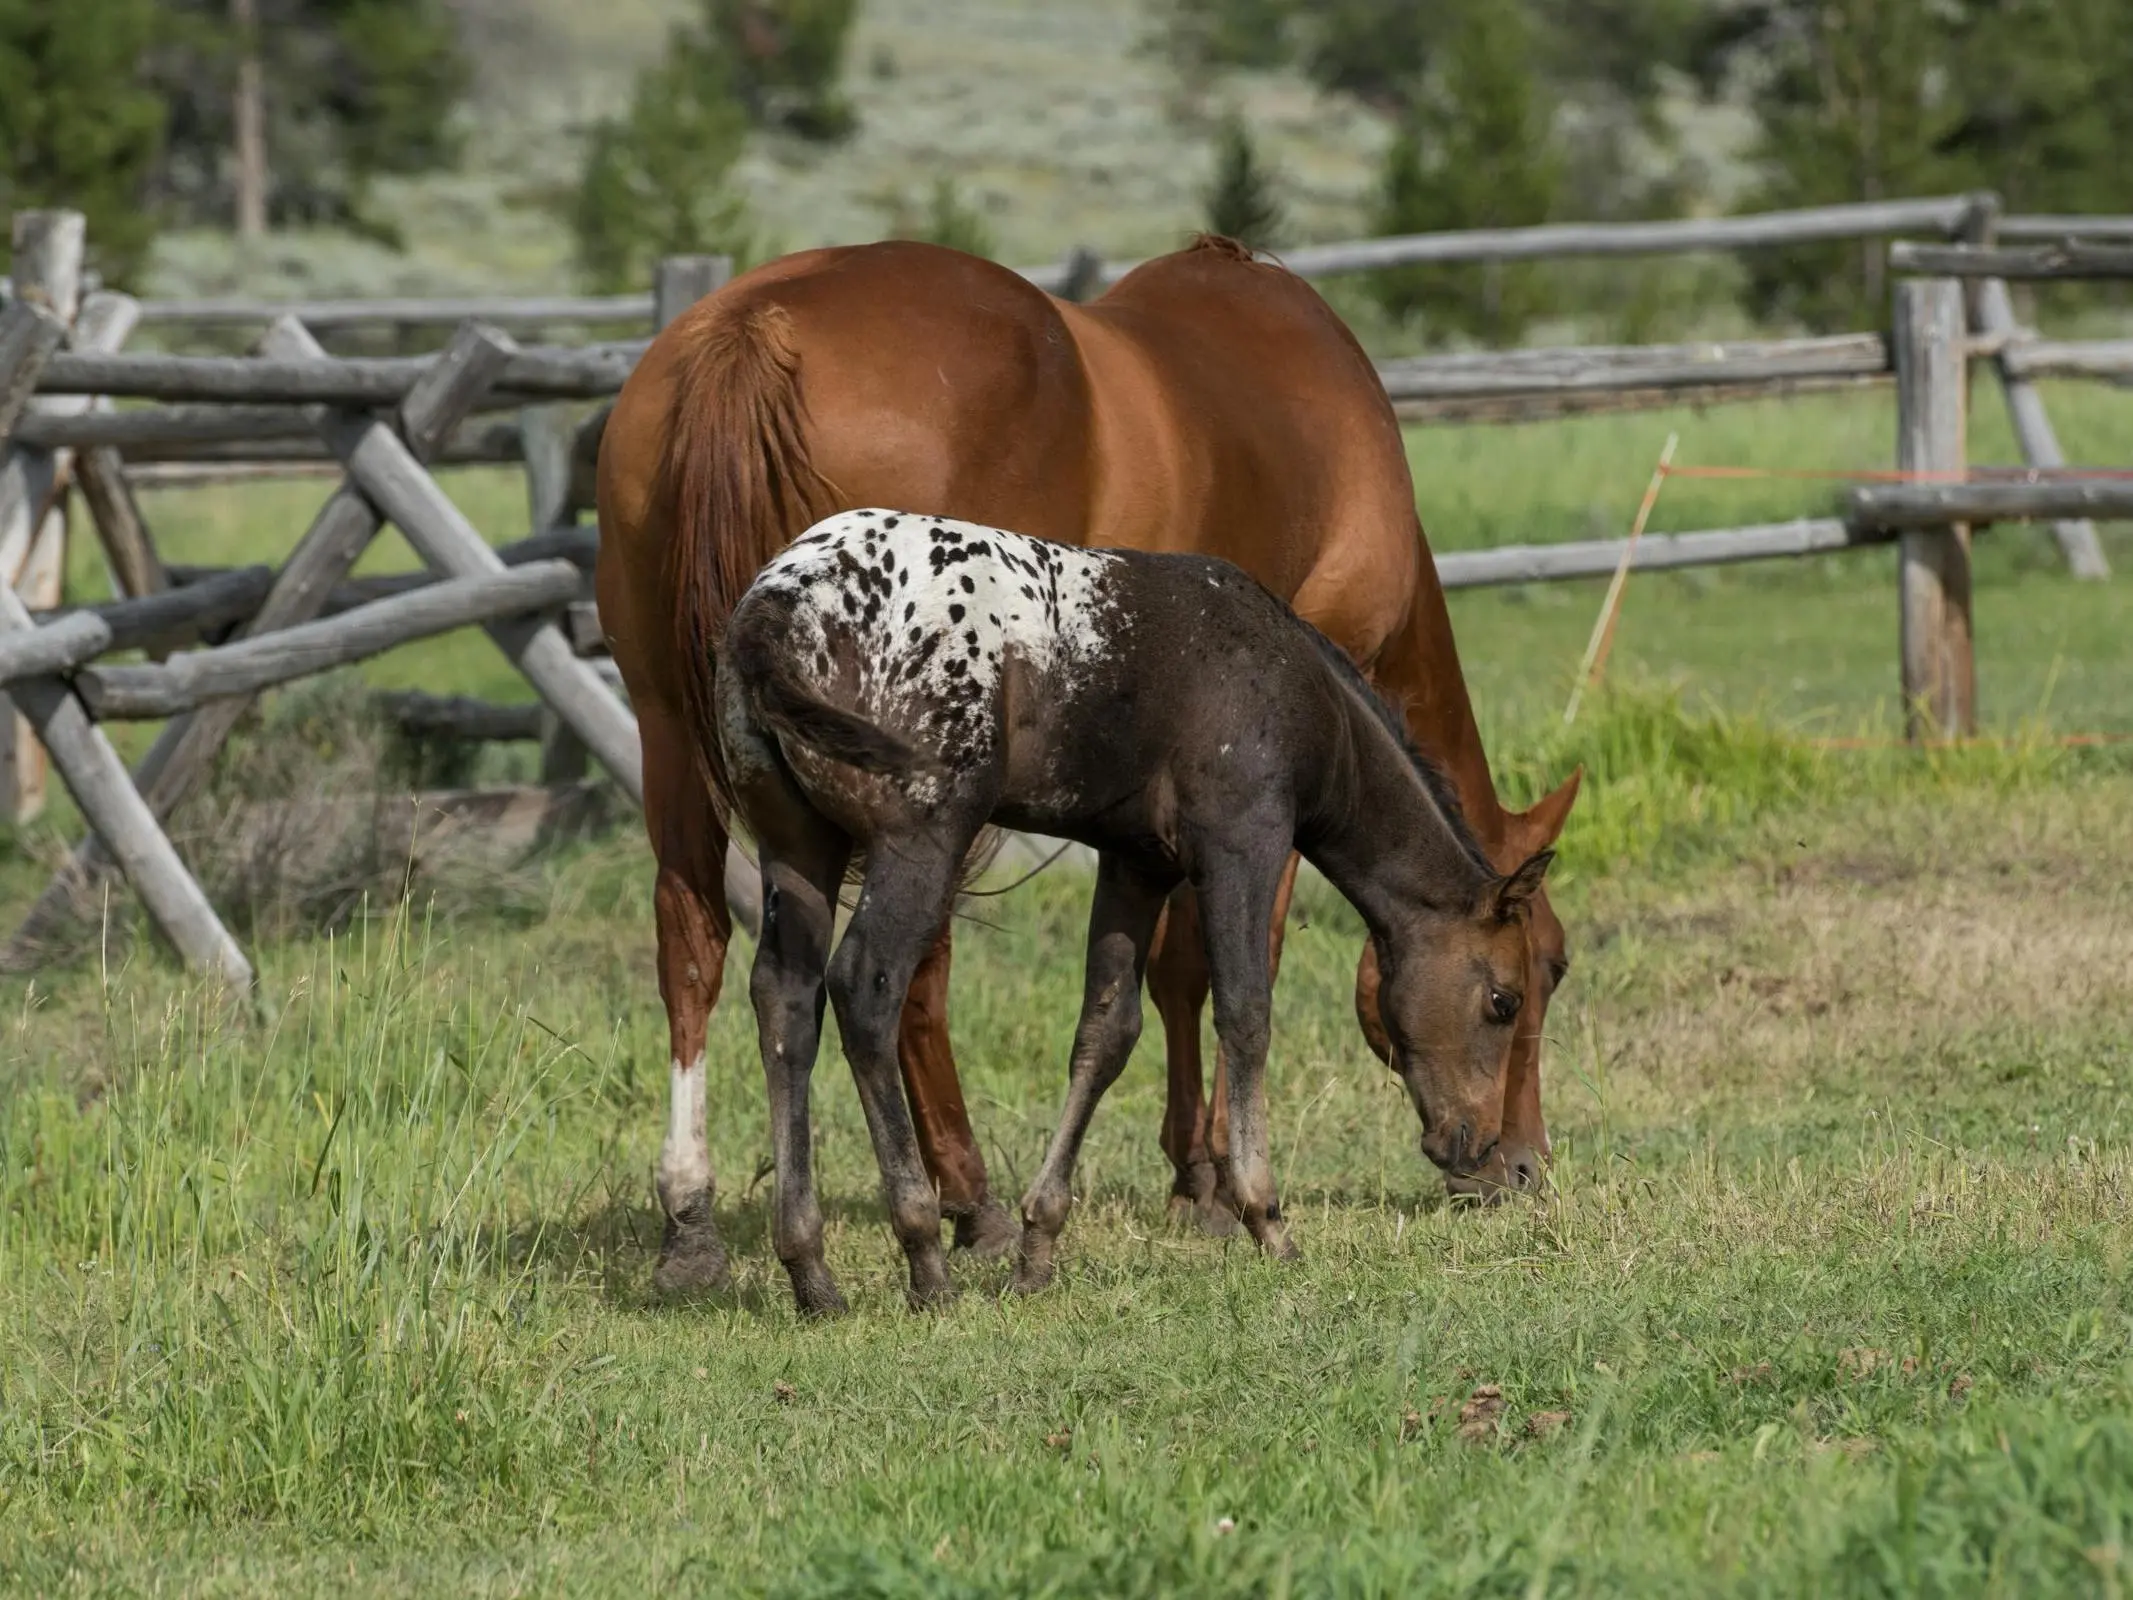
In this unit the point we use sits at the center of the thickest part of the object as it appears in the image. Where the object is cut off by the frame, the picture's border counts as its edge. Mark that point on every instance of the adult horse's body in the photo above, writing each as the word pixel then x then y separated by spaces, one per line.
pixel 1207 403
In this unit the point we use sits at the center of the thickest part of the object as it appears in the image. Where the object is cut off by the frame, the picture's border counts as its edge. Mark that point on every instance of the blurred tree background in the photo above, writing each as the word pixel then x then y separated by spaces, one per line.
pixel 251 115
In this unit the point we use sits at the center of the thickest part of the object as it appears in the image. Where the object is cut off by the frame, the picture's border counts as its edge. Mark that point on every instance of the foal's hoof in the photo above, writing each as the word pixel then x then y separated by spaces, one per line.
pixel 931 1296
pixel 814 1291
pixel 692 1258
pixel 1033 1273
pixel 987 1232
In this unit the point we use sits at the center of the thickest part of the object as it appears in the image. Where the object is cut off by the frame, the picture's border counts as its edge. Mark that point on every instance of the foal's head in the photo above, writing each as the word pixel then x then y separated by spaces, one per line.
pixel 1452 983
pixel 1454 940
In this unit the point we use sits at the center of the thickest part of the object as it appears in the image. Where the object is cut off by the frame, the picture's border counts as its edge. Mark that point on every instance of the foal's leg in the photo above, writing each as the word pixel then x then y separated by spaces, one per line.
pixel 1196 1127
pixel 909 884
pixel 1177 982
pixel 982 1225
pixel 1121 927
pixel 802 870
pixel 1237 894
pixel 689 912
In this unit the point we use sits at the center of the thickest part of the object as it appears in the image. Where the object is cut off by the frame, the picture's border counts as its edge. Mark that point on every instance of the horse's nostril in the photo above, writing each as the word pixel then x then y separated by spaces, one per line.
pixel 1525 1170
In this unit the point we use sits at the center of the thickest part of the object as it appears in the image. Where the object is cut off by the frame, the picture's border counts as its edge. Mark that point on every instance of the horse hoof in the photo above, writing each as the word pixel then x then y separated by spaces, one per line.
pixel 1032 1277
pixel 987 1232
pixel 814 1291
pixel 931 1297
pixel 692 1259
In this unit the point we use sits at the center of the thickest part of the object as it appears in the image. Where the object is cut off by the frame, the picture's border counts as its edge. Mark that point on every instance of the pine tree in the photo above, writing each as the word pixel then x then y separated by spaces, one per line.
pixel 654 179
pixel 1202 37
pixel 785 60
pixel 1852 105
pixel 1476 151
pixel 79 127
pixel 354 90
pixel 947 219
pixel 1241 203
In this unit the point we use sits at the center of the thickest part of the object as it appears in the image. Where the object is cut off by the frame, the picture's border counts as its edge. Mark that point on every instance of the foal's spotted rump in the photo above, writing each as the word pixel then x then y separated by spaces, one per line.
pixel 925 611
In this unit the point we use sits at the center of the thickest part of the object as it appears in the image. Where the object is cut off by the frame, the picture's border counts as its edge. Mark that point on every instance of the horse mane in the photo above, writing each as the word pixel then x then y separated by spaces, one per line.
pixel 1436 782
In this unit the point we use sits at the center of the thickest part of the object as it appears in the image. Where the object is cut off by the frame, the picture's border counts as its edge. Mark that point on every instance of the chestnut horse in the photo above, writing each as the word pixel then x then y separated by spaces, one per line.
pixel 1207 403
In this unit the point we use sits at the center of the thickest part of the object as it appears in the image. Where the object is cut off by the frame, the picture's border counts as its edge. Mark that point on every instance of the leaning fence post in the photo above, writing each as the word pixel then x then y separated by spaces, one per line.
pixel 33 521
pixel 1933 564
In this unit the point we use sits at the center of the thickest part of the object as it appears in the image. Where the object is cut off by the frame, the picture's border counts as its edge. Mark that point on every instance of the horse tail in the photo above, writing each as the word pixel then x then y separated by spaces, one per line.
pixel 744 485
pixel 758 650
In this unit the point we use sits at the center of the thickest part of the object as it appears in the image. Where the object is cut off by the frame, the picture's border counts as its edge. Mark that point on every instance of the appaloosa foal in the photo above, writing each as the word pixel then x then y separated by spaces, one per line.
pixel 892 683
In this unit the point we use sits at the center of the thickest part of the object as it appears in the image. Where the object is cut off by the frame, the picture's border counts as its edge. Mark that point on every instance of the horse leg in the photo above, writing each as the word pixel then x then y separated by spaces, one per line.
pixel 802 870
pixel 1177 982
pixel 1122 919
pixel 1237 895
pixel 910 882
pixel 945 1139
pixel 693 926
pixel 1219 1211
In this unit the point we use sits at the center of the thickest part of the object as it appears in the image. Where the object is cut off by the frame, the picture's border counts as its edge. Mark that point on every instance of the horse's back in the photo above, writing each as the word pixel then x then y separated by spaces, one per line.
pixel 1279 451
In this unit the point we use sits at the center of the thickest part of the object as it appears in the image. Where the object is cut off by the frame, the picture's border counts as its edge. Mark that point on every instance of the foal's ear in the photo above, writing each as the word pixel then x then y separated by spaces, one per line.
pixel 1514 893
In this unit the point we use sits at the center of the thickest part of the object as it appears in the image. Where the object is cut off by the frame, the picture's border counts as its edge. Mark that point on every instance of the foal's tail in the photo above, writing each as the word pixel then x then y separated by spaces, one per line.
pixel 758 648
pixel 744 486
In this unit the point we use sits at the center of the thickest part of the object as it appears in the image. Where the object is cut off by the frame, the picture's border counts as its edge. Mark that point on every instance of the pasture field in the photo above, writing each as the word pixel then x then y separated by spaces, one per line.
pixel 1830 1293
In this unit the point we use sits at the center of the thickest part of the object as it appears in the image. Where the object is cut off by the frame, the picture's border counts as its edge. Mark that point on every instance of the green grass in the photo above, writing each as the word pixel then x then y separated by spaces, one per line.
pixel 1832 1286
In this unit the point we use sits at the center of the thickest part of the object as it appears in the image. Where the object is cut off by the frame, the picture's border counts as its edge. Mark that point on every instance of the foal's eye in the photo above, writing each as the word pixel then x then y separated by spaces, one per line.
pixel 1503 1005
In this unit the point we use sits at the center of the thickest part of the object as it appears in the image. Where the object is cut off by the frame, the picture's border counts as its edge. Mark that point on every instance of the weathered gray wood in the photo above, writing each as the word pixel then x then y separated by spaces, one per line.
pixel 1933 569
pixel 461 717
pixel 394 481
pixel 30 333
pixel 544 444
pixel 260 662
pixel 1082 276
pixel 547 374
pixel 104 791
pixel 486 443
pixel 2068 259
pixel 186 748
pixel 33 523
pixel 2038 226
pixel 2059 358
pixel 582 622
pixel 325 316
pixel 57 647
pixel 1548 241
pixel 1552 371
pixel 1993 313
pixel 1556 404
pixel 680 281
pixel 48 250
pixel 1655 552
pixel 547 432
pixel 120 527
pixel 1931 505
pixel 178 615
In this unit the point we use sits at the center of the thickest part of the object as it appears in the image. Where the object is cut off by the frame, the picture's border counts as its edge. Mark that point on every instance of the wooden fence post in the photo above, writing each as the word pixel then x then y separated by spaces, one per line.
pixel 48 249
pixel 681 281
pixel 545 435
pixel 185 751
pixel 1933 564
pixel 1084 275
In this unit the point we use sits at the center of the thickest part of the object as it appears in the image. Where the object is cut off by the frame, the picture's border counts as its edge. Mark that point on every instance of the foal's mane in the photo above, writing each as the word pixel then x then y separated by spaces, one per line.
pixel 1436 782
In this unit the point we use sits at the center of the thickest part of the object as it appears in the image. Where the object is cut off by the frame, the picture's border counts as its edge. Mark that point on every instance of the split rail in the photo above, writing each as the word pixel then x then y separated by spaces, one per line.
pixel 214 639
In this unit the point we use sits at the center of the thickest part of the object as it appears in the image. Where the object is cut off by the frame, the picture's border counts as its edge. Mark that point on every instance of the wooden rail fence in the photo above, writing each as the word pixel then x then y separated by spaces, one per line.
pixel 214 639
